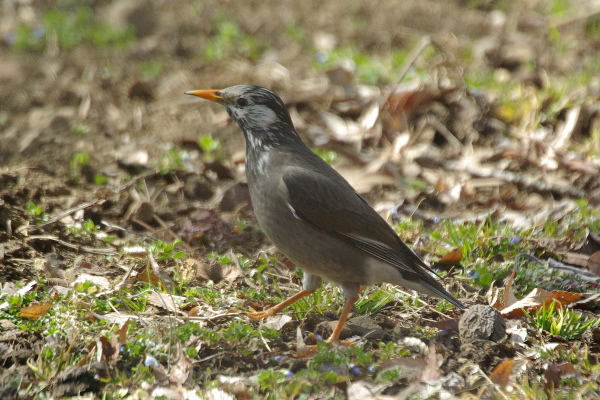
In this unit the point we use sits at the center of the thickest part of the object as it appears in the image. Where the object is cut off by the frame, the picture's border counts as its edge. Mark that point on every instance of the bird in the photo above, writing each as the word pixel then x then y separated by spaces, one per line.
pixel 311 213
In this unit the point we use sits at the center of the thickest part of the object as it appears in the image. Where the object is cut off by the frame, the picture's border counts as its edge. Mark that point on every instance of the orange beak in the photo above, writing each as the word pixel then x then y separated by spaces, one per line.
pixel 208 95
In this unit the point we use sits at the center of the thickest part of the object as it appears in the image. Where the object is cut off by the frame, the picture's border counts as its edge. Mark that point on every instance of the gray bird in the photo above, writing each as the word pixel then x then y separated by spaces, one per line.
pixel 311 213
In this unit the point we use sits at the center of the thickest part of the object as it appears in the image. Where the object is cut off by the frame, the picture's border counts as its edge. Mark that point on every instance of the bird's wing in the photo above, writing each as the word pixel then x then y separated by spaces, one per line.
pixel 330 204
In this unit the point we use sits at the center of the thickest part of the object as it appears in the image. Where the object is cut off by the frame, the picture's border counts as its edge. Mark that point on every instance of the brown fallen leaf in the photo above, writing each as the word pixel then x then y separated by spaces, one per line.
pixel 555 373
pixel 109 348
pixel 501 374
pixel 593 263
pixel 452 257
pixel 539 298
pixel 576 259
pixel 35 311
pixel 122 332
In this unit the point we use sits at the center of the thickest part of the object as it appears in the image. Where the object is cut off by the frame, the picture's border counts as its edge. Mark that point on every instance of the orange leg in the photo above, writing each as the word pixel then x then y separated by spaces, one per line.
pixel 275 309
pixel 335 335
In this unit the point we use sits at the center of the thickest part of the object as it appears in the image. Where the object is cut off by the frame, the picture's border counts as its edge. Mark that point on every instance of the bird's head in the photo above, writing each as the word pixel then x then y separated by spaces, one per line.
pixel 258 111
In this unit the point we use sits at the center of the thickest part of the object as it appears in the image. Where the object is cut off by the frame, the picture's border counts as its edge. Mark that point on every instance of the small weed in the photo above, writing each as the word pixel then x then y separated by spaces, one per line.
pixel 210 147
pixel 373 300
pixel 565 323
pixel 230 41
pixel 166 251
pixel 80 130
pixel 87 228
pixel 172 161
pixel 79 160
pixel 329 156
pixel 38 212
pixel 100 179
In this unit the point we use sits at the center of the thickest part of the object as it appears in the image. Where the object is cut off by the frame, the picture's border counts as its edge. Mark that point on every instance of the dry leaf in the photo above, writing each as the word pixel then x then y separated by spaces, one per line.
pixel 302 350
pixel 122 332
pixel 148 277
pixel 218 272
pixel 342 130
pixel 509 295
pixel 556 372
pixel 276 322
pixel 452 257
pixel 164 301
pixel 539 298
pixel 593 263
pixel 110 349
pixel 164 277
pixel 501 374
pixel 180 369
pixel 35 311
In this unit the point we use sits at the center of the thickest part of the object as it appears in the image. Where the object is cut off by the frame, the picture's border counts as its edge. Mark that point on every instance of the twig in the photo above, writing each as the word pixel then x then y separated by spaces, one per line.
pixel 105 251
pixel 445 132
pixel 120 228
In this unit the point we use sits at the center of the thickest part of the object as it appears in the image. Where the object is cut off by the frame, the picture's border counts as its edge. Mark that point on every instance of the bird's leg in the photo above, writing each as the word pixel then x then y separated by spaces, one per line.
pixel 335 335
pixel 275 309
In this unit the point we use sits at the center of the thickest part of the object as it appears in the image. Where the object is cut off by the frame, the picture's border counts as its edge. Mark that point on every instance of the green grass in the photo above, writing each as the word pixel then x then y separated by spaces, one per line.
pixel 230 41
pixel 370 69
pixel 70 28
pixel 561 322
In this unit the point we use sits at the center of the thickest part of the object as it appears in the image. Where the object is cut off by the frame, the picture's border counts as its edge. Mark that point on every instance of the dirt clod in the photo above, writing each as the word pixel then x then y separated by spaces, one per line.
pixel 481 322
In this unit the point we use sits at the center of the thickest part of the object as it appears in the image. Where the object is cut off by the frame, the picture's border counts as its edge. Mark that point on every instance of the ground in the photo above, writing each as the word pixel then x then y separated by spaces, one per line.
pixel 129 252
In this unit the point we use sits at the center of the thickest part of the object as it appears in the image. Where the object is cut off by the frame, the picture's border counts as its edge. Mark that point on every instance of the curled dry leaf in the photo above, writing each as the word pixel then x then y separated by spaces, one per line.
pixel 35 311
pixel 539 298
pixel 501 374
pixel 276 322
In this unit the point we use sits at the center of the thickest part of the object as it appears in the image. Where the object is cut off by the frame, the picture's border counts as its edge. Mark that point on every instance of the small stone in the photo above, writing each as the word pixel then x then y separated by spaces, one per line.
pixel 481 322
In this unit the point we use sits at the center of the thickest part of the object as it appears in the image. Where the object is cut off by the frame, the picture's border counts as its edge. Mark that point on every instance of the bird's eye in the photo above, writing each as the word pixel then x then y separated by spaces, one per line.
pixel 242 102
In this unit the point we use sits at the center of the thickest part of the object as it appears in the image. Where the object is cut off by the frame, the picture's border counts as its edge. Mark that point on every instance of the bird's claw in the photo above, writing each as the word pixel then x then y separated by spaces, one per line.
pixel 257 315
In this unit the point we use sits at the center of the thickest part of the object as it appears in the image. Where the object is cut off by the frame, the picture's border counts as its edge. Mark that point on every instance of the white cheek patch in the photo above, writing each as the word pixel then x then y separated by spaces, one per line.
pixel 260 116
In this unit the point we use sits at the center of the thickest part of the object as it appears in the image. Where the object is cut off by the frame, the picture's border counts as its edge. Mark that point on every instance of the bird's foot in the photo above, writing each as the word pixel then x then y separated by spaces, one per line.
pixel 256 315
pixel 333 340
